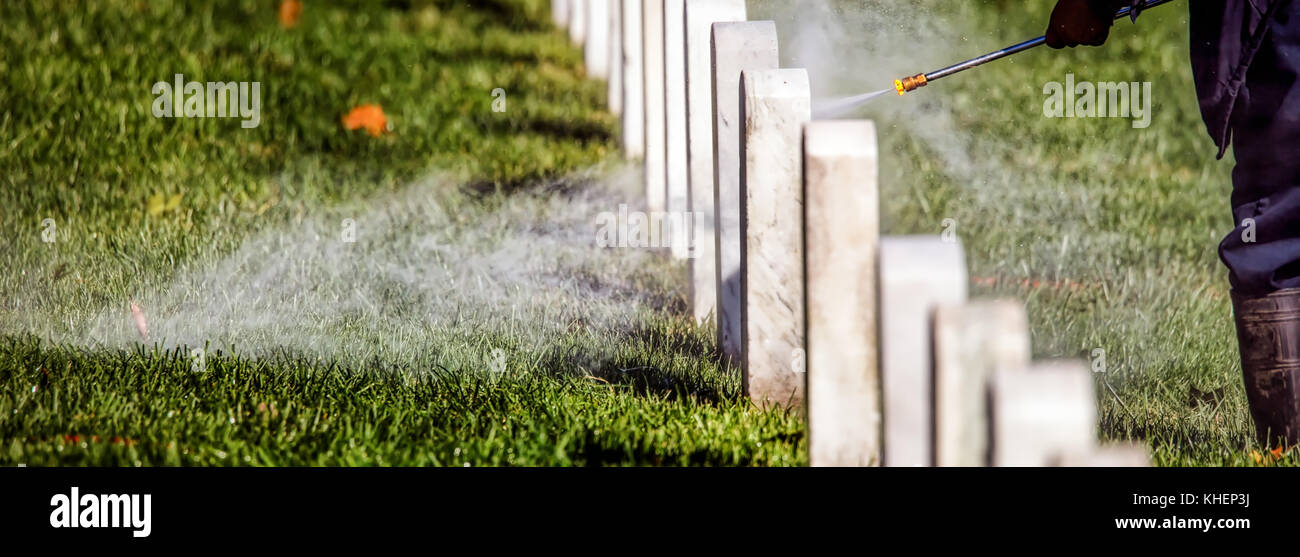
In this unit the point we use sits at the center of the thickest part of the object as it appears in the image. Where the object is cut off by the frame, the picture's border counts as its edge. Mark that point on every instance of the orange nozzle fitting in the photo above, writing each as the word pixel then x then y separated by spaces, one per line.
pixel 909 83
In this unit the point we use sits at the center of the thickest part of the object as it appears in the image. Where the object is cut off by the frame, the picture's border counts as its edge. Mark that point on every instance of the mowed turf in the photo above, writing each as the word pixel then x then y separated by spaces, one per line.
pixel 81 147
pixel 1107 233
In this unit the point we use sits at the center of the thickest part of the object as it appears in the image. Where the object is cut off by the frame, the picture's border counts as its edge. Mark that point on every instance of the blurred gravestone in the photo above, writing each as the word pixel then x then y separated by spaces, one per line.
pixel 652 35
pixel 971 342
pixel 596 47
pixel 560 12
pixel 614 85
pixel 1042 414
pixel 700 17
pixel 917 273
pixel 675 121
pixel 1110 456
pixel 736 47
pixel 633 79
pixel 841 233
pixel 578 21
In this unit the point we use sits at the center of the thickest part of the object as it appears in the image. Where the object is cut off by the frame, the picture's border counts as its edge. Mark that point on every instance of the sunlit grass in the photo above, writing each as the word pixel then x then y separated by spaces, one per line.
pixel 471 324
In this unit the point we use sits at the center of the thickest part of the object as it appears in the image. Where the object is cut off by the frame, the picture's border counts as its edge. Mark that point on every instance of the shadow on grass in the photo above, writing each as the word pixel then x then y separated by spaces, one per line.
pixel 559 128
pixel 601 449
pixel 1187 444
pixel 509 12
pixel 663 359
pixel 1176 435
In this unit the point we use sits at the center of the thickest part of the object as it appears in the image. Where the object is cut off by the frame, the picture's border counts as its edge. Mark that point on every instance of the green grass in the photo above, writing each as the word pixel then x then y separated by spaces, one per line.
pixel 472 323
pixel 149 408
pixel 400 355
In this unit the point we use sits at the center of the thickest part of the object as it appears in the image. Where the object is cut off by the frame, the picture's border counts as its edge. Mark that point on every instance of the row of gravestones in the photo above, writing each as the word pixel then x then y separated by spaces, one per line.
pixel 873 338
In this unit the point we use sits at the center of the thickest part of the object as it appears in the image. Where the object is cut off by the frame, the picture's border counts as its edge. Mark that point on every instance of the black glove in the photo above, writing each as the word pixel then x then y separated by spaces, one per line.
pixel 1086 22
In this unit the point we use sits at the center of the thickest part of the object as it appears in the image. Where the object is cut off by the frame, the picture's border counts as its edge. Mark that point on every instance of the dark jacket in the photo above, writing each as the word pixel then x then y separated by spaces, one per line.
pixel 1225 35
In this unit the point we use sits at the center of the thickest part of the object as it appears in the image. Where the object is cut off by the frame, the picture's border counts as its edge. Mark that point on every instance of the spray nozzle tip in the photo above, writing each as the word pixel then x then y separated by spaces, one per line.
pixel 910 83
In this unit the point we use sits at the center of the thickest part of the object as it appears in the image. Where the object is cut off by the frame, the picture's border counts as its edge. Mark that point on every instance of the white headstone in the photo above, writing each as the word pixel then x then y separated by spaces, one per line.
pixel 917 273
pixel 736 47
pixel 1109 456
pixel 700 17
pixel 596 47
pixel 971 342
pixel 656 185
pixel 775 104
pixel 614 85
pixel 841 235
pixel 560 12
pixel 578 21
pixel 1043 413
pixel 675 119
pixel 633 80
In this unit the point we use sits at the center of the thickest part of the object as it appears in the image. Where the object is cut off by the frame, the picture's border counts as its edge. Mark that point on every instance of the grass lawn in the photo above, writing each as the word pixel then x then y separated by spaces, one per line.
pixel 469 323
pixel 472 322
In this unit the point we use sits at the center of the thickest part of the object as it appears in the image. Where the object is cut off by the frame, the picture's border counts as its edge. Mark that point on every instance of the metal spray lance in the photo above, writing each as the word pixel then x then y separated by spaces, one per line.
pixel 921 80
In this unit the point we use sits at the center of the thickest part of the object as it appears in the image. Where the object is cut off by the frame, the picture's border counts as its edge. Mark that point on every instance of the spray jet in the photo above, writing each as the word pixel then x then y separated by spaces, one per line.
pixel 922 79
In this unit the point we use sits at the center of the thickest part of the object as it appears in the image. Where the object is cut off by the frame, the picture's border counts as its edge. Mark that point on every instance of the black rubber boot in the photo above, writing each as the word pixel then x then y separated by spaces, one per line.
pixel 1268 333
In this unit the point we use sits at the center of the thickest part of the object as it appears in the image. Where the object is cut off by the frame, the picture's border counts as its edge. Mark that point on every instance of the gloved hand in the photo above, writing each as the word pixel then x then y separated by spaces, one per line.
pixel 1086 22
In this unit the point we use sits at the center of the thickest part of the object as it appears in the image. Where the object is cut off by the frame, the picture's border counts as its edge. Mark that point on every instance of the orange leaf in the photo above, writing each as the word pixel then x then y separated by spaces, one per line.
pixel 368 116
pixel 1277 453
pixel 290 11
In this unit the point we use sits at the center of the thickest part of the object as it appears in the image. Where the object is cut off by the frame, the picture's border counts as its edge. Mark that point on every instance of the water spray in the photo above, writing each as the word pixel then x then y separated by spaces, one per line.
pixel 921 80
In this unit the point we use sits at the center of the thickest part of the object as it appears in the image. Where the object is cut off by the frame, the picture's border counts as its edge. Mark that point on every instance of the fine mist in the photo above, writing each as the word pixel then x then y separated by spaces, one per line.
pixel 855 48
pixel 938 137
pixel 427 275
pixel 1034 200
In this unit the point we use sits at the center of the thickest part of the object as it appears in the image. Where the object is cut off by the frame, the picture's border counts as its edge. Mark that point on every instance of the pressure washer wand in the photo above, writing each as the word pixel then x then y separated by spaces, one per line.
pixel 921 80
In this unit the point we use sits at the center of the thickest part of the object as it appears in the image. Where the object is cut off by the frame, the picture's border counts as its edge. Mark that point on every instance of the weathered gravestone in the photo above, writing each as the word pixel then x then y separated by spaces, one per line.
pixel 675 122
pixel 700 17
pixel 656 185
pixel 633 89
pixel 736 47
pixel 775 104
pixel 614 83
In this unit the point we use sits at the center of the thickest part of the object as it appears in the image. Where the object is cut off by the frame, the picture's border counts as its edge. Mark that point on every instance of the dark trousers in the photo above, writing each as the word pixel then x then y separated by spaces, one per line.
pixel 1266 180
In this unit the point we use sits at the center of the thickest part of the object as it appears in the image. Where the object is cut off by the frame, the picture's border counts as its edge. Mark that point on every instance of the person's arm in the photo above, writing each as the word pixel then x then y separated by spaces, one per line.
pixel 1082 22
